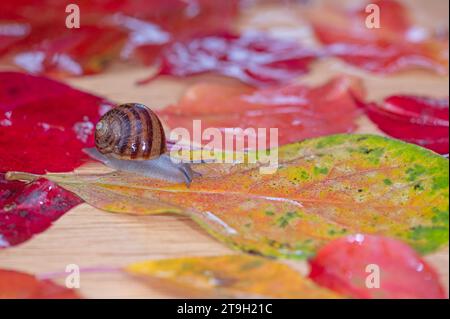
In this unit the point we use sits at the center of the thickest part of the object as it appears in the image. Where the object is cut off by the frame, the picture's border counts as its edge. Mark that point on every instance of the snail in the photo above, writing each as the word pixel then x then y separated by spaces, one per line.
pixel 131 138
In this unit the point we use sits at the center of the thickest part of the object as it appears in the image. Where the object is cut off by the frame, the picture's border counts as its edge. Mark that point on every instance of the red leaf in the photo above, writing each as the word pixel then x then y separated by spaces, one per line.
pixel 50 47
pixel 29 209
pixel 54 49
pixel 11 33
pixel 298 111
pixel 341 266
pixel 44 124
pixel 254 59
pixel 18 285
pixel 396 45
pixel 173 20
pixel 419 120
pixel 108 27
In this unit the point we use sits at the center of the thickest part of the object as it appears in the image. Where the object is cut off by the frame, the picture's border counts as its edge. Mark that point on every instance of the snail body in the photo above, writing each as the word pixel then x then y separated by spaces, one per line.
pixel 131 138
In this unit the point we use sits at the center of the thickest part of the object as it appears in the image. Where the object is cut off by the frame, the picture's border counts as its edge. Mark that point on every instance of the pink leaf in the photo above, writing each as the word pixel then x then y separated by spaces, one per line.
pixel 350 266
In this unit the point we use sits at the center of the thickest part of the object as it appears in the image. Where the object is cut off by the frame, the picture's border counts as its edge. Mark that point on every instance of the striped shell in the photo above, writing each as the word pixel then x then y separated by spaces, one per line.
pixel 130 132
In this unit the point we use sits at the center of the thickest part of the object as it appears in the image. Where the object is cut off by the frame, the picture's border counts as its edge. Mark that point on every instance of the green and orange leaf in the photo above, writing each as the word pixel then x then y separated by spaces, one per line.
pixel 324 189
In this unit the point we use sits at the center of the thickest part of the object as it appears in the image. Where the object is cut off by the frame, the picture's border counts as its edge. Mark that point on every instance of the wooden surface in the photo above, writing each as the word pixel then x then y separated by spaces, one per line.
pixel 91 238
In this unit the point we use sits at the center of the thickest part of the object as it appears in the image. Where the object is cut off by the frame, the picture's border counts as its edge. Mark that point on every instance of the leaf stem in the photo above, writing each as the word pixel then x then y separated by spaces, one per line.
pixel 21 176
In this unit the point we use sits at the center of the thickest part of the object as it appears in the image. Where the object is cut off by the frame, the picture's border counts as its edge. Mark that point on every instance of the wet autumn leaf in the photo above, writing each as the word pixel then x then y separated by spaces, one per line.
pixel 415 119
pixel 396 45
pixel 364 266
pixel 111 29
pixel 233 276
pixel 60 51
pixel 175 20
pixel 18 285
pixel 45 124
pixel 152 24
pixel 298 111
pixel 48 46
pixel 324 188
pixel 255 59
pixel 11 33
pixel 29 209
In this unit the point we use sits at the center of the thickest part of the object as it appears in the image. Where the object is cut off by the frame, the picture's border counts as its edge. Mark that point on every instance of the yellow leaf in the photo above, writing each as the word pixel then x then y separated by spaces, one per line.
pixel 233 276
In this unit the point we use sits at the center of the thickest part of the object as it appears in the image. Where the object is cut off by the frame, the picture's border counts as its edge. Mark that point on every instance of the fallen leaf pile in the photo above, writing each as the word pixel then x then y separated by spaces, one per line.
pixel 111 30
pixel 351 205
pixel 36 111
pixel 192 37
pixel 254 59
pixel 340 270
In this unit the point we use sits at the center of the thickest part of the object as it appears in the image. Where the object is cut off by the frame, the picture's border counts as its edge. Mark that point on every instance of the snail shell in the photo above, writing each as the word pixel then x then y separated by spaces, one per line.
pixel 131 138
pixel 130 132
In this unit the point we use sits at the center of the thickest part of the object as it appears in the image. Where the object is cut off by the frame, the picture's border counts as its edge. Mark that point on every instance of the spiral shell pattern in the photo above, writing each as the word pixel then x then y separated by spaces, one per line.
pixel 131 132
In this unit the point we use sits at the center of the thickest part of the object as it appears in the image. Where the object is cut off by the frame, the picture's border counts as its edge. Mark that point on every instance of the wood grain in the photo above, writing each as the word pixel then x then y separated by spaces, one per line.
pixel 91 238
